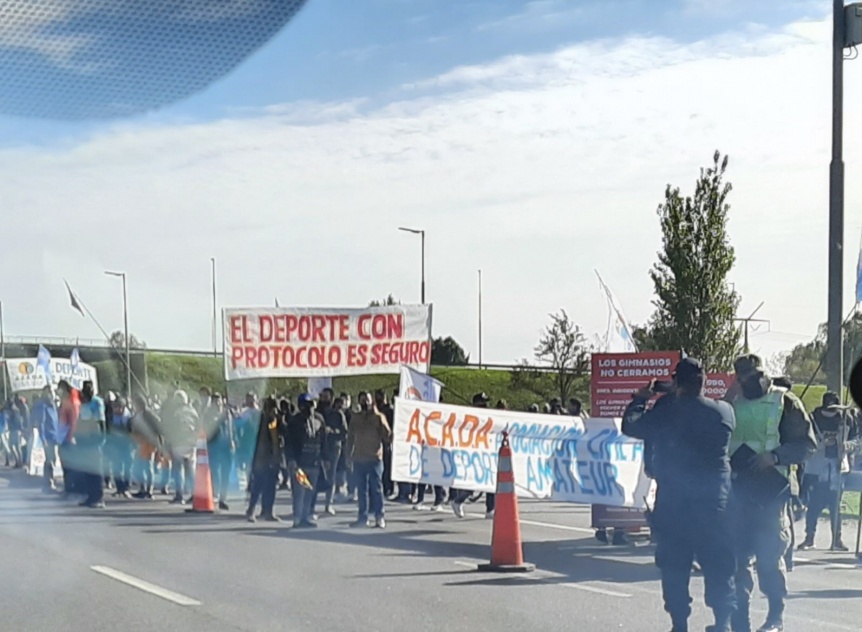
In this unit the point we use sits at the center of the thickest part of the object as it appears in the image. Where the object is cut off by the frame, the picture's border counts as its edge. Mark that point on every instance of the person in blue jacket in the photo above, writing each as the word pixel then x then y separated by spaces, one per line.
pixel 45 419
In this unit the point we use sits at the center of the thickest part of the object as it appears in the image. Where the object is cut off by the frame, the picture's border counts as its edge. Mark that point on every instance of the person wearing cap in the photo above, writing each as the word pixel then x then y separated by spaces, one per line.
pixel 459 496
pixel 838 438
pixel 305 441
pixel 772 425
pixel 691 437
pixel 369 432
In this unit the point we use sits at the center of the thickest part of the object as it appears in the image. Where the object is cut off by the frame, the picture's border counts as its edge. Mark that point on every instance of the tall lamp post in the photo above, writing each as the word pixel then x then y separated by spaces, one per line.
pixel 122 275
pixel 480 319
pixel 215 308
pixel 846 33
pixel 422 233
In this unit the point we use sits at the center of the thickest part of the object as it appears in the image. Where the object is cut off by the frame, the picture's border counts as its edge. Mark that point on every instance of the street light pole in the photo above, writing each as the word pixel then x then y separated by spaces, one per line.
pixel 416 231
pixel 215 308
pixel 480 318
pixel 834 338
pixel 122 275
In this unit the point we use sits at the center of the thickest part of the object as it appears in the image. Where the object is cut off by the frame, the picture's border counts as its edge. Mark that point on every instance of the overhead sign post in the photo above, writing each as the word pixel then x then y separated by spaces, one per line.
pixel 304 342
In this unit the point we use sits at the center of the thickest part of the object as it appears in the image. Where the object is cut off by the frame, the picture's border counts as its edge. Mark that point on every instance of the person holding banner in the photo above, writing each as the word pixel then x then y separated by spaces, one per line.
pixel 691 439
pixel 368 434
pixel 460 496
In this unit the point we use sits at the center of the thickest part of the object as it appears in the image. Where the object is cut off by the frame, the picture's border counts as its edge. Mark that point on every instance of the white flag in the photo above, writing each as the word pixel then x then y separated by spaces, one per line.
pixel 619 337
pixel 416 385
pixel 317 384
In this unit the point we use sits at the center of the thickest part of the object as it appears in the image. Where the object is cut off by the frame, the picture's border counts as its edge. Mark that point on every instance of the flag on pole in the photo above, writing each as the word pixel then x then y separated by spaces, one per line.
pixel 619 338
pixel 76 304
pixel 75 359
pixel 43 360
pixel 276 302
pixel 416 385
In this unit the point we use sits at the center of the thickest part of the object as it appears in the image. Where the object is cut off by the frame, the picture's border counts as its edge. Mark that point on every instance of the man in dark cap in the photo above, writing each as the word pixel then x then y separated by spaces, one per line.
pixel 773 432
pixel 690 435
pixel 838 438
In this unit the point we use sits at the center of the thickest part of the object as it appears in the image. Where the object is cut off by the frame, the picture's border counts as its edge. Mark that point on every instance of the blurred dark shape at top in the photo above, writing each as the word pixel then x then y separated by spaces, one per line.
pixel 88 59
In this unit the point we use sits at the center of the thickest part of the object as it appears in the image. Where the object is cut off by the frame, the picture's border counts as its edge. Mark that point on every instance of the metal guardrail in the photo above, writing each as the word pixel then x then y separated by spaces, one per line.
pixel 101 343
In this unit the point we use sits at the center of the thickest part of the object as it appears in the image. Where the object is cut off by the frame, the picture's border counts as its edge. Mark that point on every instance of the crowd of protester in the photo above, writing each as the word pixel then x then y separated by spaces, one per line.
pixel 326 450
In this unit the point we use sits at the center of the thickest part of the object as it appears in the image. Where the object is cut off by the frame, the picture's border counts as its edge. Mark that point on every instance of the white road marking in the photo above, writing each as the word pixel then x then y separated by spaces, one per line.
pixel 465 564
pixel 140 584
pixel 594 589
pixel 639 561
pixel 844 566
pixel 547 525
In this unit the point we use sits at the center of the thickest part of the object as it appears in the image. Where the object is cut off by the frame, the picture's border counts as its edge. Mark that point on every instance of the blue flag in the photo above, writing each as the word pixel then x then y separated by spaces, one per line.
pixel 75 359
pixel 43 359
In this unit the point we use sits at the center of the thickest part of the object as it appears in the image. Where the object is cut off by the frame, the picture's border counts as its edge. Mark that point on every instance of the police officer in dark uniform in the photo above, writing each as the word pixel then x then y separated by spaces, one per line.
pixel 690 436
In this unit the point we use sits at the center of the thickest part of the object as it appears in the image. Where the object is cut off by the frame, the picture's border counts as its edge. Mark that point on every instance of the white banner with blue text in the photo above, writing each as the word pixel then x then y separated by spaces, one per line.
pixel 554 457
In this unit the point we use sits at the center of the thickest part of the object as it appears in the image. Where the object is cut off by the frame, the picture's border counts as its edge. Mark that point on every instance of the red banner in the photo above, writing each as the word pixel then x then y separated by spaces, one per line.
pixel 717 384
pixel 616 376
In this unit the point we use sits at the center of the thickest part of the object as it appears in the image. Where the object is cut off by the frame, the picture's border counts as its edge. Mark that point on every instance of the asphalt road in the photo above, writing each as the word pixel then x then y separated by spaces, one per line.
pixel 141 565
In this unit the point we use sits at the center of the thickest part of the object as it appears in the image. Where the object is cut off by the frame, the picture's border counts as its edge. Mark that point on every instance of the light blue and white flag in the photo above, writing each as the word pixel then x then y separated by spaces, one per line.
pixel 619 337
pixel 75 359
pixel 43 360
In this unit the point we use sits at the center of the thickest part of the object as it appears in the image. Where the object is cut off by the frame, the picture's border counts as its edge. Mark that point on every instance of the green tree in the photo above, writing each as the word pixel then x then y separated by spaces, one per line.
pixel 643 338
pixel 447 352
pixel 695 306
pixel 566 350
pixel 806 360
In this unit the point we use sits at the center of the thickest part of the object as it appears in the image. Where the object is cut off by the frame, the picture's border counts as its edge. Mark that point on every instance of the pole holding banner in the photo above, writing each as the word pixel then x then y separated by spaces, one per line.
pixel 507 554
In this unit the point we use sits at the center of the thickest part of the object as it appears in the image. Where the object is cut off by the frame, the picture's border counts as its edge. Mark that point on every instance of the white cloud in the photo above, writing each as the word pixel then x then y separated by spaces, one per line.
pixel 536 169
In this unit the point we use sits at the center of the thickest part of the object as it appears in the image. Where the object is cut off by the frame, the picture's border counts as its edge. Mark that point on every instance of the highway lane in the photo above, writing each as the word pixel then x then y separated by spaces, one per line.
pixel 418 572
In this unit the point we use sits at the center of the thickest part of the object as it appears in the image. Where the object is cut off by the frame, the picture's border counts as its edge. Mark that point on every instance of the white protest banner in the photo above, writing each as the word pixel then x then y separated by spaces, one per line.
pixel 302 342
pixel 24 375
pixel 317 384
pixel 561 458
pixel 416 385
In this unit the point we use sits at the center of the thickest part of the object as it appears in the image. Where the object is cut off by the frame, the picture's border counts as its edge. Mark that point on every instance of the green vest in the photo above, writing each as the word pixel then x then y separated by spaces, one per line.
pixel 757 421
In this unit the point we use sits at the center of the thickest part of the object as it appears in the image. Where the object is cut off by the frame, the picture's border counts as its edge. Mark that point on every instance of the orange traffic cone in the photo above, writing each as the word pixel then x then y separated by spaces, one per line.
pixel 507 555
pixel 202 501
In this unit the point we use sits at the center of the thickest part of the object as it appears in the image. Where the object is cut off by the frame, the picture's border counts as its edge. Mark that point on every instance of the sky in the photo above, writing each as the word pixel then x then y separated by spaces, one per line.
pixel 530 139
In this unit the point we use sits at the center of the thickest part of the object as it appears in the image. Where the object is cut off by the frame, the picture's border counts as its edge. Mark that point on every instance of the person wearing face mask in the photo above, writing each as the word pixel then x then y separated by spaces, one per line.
pixel 690 435
pixel 838 438
pixel 772 432
pixel 336 435
pixel 369 432
pixel 305 441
